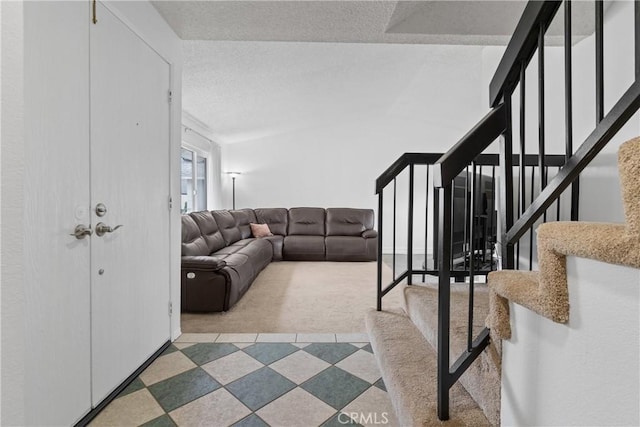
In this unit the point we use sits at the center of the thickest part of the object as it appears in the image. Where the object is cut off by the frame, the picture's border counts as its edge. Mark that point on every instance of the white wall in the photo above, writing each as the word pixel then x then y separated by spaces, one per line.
pixel 337 164
pixel 147 22
pixel 585 372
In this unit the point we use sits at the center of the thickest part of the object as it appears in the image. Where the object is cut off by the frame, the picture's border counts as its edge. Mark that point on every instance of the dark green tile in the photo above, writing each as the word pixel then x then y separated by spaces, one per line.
pixel 135 385
pixel 183 388
pixel 368 348
pixel 171 349
pixel 339 420
pixel 380 385
pixel 268 353
pixel 260 387
pixel 251 421
pixel 335 387
pixel 331 352
pixel 206 352
pixel 162 421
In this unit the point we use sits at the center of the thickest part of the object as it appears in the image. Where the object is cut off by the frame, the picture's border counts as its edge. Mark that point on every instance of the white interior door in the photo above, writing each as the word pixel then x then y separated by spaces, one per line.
pixel 130 176
pixel 56 200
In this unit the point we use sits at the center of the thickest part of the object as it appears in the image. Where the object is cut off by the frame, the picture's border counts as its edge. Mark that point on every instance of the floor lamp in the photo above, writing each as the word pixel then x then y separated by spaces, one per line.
pixel 233 175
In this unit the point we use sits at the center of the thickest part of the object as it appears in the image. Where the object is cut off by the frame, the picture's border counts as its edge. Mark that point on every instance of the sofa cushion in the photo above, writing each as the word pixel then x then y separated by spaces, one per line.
pixel 209 230
pixel 193 244
pixel 227 225
pixel 275 218
pixel 348 222
pixel 304 248
pixel 276 244
pixel 350 248
pixel 306 222
pixel 259 251
pixel 243 218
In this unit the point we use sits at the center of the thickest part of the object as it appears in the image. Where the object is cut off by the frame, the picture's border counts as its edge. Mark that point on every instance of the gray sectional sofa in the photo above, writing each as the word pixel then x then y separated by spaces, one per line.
pixel 221 258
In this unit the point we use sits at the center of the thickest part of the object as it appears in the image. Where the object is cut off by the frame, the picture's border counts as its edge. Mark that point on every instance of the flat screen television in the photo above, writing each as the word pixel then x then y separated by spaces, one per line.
pixel 485 221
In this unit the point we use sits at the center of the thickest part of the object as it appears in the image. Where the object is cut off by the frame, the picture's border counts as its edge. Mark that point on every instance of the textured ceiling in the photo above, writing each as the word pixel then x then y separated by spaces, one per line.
pixel 343 21
pixel 259 68
pixel 475 22
pixel 253 90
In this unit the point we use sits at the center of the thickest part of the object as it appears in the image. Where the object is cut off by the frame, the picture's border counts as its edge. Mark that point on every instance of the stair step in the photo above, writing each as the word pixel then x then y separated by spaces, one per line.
pixel 482 379
pixel 409 370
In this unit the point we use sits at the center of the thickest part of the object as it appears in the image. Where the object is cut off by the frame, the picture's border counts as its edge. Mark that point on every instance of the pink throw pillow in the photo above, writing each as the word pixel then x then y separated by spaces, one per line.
pixel 260 230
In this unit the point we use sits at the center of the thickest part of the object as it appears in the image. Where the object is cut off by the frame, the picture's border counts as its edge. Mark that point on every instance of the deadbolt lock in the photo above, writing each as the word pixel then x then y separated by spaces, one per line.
pixel 101 209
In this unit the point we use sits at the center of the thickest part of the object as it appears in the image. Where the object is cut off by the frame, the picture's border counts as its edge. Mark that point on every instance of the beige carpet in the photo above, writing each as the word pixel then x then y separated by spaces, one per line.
pixel 302 297
pixel 546 292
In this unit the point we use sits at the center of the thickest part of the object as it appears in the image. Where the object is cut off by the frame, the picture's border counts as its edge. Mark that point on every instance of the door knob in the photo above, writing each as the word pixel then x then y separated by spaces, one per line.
pixel 81 231
pixel 102 228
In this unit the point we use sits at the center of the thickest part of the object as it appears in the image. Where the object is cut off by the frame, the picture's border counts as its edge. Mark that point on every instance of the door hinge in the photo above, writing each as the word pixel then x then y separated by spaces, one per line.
pixel 170 96
pixel 95 16
pixel 170 202
pixel 170 309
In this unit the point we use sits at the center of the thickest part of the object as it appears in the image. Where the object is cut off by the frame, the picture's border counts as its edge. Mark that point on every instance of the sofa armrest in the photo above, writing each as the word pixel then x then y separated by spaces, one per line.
pixel 203 263
pixel 369 234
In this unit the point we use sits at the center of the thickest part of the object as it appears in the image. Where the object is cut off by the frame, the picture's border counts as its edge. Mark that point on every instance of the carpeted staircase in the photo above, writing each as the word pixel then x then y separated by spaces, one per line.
pixel 404 341
pixel 404 344
pixel 545 292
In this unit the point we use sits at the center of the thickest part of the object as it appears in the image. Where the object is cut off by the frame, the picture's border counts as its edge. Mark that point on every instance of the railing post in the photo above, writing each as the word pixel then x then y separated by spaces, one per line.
pixel 410 228
pixel 380 207
pixel 506 187
pixel 444 296
pixel 393 261
pixel 568 99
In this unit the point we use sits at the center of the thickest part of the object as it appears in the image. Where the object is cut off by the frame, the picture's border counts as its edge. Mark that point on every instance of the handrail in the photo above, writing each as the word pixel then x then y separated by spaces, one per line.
pixel 399 165
pixel 469 147
pixel 621 112
pixel 484 159
pixel 521 47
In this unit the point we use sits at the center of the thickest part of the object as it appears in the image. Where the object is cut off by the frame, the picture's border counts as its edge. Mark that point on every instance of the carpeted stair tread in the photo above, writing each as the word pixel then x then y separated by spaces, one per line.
pixel 409 369
pixel 482 379
pixel 611 243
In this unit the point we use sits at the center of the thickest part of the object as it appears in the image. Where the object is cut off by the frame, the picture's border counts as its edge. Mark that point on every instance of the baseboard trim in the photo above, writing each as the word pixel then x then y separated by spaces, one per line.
pixel 95 411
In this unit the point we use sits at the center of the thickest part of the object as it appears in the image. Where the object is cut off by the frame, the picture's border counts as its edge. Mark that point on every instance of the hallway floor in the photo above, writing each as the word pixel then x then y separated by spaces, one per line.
pixel 257 380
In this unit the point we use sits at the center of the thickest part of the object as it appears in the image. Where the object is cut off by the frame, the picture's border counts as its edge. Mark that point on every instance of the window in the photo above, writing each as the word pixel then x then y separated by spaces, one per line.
pixel 193 182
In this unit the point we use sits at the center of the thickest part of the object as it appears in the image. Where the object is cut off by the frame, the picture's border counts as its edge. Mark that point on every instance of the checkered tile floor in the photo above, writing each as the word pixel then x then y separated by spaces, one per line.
pixel 256 384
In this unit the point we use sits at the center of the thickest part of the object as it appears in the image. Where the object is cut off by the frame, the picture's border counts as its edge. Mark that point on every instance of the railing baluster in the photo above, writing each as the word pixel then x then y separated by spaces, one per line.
pixel 472 258
pixel 426 226
pixel 506 189
pixel 541 126
pixel 466 217
pixel 599 61
pixel 533 174
pixel 444 298
pixel 410 228
pixel 484 231
pixel 568 96
pixel 492 209
pixel 393 262
pixel 522 176
pixel 380 208
pixel 636 21
pixel 558 208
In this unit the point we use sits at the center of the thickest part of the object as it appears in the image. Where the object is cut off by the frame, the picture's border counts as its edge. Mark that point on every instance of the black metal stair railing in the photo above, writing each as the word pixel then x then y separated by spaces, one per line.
pixel 526 193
